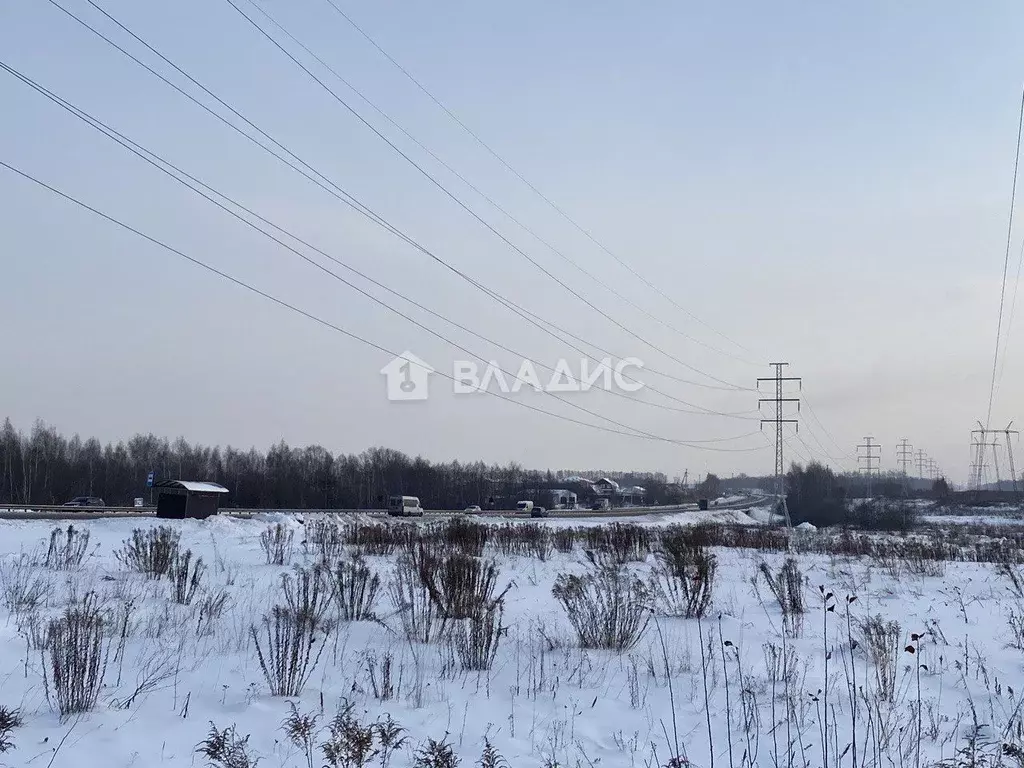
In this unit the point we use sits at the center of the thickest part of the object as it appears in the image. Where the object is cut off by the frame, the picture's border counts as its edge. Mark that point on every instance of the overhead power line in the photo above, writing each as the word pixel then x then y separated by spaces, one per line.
pixel 464 206
pixel 810 451
pixel 491 201
pixel 810 410
pixel 1010 433
pixel 561 212
pixel 287 305
pixel 176 173
pixel 829 456
pixel 1006 265
pixel 296 163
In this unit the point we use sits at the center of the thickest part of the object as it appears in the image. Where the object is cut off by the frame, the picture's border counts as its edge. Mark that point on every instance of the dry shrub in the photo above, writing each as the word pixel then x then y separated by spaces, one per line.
pixel 23 589
pixel 608 608
pixel 918 564
pixel 186 575
pixel 476 640
pixel 1014 575
pixel 897 558
pixel 676 538
pixel 684 581
pixel 352 744
pixel 491 758
pixel 277 542
pixel 881 640
pixel 461 586
pixel 294 634
pixel 625 542
pixel 225 749
pixel 788 588
pixel 538 540
pixel 524 539
pixel 564 539
pixel 68 547
pixel 382 680
pixel 506 540
pixel 10 719
pixel 211 608
pixel 436 754
pixel 1015 623
pixel 150 552
pixel 355 590
pixel 289 651
pixel 349 743
pixel 308 592
pixel 376 539
pixel 301 729
pixel 460 534
pixel 77 652
pixel 780 664
pixel 325 539
pixel 35 630
pixel 420 617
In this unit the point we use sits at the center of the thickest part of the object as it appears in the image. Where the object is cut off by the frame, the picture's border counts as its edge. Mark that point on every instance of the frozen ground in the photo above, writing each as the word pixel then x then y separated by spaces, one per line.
pixel 751 694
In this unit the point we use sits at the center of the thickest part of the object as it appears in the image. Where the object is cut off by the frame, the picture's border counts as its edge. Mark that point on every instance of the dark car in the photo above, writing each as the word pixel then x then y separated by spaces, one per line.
pixel 86 501
pixel 538 512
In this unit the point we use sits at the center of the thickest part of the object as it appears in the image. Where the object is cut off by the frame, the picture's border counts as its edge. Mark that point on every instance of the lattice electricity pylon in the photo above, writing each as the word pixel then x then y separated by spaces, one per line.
pixel 779 420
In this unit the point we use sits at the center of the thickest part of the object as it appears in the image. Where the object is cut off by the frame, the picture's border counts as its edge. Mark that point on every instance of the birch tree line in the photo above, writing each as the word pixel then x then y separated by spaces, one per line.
pixel 45 467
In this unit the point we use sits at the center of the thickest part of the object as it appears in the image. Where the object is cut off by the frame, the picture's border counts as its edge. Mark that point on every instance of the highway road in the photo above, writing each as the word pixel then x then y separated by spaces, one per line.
pixel 43 512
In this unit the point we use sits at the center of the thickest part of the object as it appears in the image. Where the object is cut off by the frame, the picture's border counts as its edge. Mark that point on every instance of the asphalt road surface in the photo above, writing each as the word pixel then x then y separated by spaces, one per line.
pixel 92 513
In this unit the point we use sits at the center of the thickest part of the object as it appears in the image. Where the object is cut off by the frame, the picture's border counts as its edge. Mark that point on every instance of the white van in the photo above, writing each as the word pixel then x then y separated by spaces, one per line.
pixel 524 506
pixel 404 506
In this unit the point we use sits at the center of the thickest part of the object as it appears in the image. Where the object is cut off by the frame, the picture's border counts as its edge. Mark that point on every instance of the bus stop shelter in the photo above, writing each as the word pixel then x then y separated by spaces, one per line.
pixel 188 498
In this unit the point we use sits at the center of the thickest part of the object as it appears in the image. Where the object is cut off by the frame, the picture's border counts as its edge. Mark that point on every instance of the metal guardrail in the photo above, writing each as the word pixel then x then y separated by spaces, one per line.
pixel 63 508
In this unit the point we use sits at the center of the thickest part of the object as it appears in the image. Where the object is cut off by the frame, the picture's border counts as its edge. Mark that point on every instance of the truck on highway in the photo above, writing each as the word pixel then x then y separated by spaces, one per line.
pixel 404 506
pixel 525 506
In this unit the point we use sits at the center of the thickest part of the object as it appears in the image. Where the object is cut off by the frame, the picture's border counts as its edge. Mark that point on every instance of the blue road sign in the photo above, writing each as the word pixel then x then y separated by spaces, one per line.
pixel 150 478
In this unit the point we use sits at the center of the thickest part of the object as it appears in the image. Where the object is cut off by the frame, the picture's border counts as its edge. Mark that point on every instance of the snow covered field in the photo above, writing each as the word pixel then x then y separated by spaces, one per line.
pixel 744 686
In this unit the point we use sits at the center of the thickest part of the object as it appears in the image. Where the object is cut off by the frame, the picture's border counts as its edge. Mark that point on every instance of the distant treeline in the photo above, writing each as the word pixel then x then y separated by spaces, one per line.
pixel 45 467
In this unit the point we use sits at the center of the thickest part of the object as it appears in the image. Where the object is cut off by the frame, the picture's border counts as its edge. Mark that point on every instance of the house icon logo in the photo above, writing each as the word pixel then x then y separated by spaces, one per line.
pixel 406 377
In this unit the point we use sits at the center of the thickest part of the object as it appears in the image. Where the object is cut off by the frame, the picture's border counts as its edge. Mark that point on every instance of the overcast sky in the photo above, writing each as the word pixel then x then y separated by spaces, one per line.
pixel 821 183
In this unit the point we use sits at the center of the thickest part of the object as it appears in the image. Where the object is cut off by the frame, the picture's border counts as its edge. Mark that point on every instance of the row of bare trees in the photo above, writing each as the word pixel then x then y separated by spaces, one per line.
pixel 45 467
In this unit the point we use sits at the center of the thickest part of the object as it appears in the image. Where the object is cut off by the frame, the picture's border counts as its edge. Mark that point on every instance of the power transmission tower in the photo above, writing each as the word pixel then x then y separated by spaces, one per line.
pixel 978 462
pixel 904 457
pixel 979 444
pixel 995 462
pixel 922 459
pixel 1009 455
pixel 779 420
pixel 870 446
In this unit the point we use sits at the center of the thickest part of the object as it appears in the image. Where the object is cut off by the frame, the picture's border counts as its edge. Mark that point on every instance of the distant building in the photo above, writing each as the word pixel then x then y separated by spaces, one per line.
pixel 606 487
pixel 577 480
pixel 632 494
pixel 562 499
